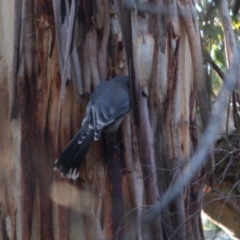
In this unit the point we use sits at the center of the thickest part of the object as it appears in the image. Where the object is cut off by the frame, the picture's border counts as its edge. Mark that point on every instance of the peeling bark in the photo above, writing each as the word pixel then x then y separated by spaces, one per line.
pixel 87 42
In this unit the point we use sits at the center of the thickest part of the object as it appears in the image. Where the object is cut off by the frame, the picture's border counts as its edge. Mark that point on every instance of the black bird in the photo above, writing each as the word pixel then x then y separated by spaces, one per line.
pixel 109 102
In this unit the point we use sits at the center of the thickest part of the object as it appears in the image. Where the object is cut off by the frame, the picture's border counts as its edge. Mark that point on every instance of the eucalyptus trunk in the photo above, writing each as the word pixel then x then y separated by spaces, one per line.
pixel 52 56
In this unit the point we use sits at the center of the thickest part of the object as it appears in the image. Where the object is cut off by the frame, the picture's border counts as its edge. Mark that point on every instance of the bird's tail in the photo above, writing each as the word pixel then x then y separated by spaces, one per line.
pixel 72 157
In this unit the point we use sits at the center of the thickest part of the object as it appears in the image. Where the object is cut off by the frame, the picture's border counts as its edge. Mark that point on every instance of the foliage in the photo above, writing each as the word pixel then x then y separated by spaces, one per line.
pixel 213 43
pixel 216 63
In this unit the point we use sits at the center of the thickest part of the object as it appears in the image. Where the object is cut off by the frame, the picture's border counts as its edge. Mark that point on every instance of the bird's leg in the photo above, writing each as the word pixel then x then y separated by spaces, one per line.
pixel 113 143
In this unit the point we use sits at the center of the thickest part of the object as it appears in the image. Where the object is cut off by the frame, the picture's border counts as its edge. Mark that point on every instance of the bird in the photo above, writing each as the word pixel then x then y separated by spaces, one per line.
pixel 109 102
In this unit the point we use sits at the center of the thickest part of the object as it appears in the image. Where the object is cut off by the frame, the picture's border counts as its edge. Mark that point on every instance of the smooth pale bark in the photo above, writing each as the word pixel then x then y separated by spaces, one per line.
pixel 223 210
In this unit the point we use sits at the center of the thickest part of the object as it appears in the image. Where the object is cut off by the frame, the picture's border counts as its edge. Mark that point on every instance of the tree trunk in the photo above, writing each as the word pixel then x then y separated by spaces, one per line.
pixel 62 50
